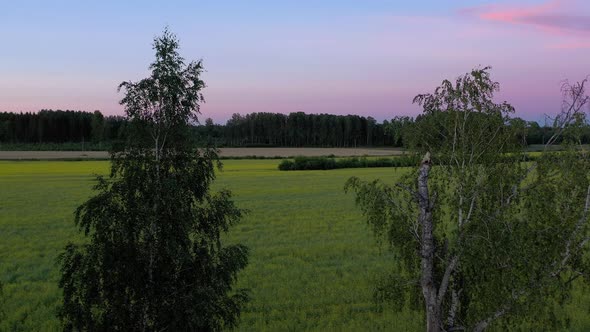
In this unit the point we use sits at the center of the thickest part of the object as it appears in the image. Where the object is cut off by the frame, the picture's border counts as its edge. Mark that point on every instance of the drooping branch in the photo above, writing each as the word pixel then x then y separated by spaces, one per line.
pixel 412 192
pixel 568 246
pixel 483 324
pixel 505 308
pixel 517 187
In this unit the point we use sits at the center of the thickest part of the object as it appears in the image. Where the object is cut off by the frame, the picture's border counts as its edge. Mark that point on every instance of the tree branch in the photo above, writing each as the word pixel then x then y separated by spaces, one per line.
pixel 453 312
pixel 444 284
pixel 567 252
pixel 412 192
pixel 483 324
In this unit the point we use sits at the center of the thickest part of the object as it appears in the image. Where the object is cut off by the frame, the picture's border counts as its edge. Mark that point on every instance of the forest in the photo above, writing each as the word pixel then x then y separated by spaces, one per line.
pixel 251 130
pixel 57 126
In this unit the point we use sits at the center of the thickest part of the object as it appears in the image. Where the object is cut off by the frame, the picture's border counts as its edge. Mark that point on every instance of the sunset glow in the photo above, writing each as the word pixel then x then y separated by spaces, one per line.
pixel 368 58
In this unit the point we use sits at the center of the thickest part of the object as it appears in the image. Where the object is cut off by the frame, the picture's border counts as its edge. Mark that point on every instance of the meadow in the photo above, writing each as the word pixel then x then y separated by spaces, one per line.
pixel 313 259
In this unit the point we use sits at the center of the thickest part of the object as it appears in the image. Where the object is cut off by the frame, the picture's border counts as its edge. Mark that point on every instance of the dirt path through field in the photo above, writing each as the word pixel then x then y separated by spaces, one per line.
pixel 225 152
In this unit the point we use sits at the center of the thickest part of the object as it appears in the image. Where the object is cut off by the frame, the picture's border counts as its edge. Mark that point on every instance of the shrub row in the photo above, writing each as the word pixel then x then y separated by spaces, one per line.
pixel 323 163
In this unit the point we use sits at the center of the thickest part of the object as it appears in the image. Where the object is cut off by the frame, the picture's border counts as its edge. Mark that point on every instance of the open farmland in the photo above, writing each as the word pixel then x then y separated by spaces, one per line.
pixel 224 152
pixel 313 260
pixel 312 264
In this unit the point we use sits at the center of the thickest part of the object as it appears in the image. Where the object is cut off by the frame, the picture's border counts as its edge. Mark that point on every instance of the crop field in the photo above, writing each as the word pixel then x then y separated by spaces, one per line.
pixel 313 260
pixel 224 152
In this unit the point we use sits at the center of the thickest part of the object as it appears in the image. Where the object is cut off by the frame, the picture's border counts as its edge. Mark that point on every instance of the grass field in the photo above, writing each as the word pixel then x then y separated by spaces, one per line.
pixel 313 260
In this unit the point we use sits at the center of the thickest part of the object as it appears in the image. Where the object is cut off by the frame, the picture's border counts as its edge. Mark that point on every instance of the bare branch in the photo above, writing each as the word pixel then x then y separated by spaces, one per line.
pixel 442 290
pixel 518 184
pixel 453 311
pixel 577 94
pixel 470 212
pixel 411 191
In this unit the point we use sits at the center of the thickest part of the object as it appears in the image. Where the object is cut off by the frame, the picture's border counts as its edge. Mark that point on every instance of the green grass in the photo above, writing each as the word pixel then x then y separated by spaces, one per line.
pixel 313 260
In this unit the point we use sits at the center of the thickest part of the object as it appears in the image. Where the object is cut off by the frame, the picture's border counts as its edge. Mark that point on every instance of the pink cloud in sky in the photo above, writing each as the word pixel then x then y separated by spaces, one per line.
pixel 563 17
pixel 572 45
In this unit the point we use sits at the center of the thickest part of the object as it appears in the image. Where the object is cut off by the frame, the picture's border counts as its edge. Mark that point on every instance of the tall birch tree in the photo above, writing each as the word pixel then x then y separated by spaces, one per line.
pixel 483 235
pixel 154 258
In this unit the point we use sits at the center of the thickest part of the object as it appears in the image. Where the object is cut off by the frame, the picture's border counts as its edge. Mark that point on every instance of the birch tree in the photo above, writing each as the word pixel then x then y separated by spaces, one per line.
pixel 154 259
pixel 483 235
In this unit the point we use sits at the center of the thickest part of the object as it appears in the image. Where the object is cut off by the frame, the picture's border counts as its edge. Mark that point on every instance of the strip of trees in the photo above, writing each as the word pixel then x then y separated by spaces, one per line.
pixel 300 129
pixel 49 126
pixel 255 129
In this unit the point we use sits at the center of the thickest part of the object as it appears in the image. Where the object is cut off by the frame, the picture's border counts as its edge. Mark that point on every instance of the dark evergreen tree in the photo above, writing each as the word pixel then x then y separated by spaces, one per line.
pixel 154 258
pixel 97 131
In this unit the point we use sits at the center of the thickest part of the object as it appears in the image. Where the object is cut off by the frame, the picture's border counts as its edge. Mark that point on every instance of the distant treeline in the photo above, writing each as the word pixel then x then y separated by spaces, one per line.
pixel 50 127
pixel 93 130
pixel 255 129
pixel 300 129
pixel 327 130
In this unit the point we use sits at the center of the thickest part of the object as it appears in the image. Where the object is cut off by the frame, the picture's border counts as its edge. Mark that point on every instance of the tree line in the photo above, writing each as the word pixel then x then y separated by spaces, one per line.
pixel 255 129
pixel 57 126
pixel 300 129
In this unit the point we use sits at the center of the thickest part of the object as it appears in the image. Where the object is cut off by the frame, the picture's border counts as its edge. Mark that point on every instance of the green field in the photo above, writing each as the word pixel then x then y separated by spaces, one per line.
pixel 313 260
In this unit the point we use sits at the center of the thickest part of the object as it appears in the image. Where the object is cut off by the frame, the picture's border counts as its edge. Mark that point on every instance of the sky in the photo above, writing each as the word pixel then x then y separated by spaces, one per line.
pixel 366 57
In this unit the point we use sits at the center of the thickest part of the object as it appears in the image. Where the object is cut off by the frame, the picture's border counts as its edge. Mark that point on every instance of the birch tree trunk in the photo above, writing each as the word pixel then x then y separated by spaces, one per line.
pixel 429 291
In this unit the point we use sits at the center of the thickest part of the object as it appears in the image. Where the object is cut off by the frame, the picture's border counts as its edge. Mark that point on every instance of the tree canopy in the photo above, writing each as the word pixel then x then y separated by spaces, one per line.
pixel 483 237
pixel 254 129
pixel 154 257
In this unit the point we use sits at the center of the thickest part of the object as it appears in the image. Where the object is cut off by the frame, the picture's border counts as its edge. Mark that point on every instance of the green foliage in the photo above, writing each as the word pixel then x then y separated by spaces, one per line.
pixel 98 126
pixel 154 259
pixel 509 224
pixel 298 130
pixel 2 313
pixel 397 129
pixel 326 163
pixel 49 127
pixel 58 127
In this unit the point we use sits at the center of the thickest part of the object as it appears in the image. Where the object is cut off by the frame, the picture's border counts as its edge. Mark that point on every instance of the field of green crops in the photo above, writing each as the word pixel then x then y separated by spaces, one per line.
pixel 313 260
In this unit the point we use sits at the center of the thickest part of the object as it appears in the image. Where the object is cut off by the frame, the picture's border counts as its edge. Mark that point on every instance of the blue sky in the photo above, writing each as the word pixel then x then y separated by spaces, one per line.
pixel 340 57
